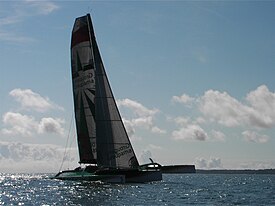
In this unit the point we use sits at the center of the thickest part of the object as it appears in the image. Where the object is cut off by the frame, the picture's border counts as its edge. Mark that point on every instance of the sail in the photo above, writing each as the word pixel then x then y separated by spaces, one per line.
pixel 114 149
pixel 83 77
pixel 101 134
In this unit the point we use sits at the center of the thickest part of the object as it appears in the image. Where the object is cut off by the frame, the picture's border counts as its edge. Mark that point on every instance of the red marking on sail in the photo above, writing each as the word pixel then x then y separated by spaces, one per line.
pixel 81 35
pixel 86 150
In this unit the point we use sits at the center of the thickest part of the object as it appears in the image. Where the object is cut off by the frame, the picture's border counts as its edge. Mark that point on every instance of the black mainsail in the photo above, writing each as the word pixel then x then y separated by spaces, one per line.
pixel 101 134
pixel 83 77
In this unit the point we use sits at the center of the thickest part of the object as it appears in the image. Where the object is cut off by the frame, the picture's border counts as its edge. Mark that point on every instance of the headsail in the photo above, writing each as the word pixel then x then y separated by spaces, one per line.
pixel 103 136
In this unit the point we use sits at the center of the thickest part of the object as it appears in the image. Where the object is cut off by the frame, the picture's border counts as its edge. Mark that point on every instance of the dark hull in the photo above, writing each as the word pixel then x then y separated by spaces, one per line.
pixel 179 169
pixel 135 176
pixel 112 175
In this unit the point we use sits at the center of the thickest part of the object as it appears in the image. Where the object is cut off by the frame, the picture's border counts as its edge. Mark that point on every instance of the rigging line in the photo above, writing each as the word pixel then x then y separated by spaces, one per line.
pixel 70 151
pixel 68 136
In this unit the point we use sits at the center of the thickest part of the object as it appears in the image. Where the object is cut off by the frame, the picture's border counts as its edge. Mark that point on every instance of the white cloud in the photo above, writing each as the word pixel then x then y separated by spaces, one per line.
pixel 258 111
pixel 184 99
pixel 217 135
pixel 21 157
pixel 185 120
pixel 51 125
pixel 228 111
pixel 145 121
pixel 20 11
pixel 222 108
pixel 201 163
pixel 215 163
pixel 19 124
pixel 129 127
pixel 157 130
pixel 41 7
pixel 200 120
pixel 27 126
pixel 263 104
pixel 30 100
pixel 212 163
pixel 154 147
pixel 140 117
pixel 182 121
pixel 190 132
pixel 131 131
pixel 252 136
pixel 137 107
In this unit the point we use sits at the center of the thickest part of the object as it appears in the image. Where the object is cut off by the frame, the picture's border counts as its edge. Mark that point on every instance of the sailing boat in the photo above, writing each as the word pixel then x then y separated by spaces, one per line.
pixel 104 146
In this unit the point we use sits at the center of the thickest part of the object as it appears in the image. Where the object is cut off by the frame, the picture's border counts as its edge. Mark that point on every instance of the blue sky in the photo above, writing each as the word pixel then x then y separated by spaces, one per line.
pixel 194 80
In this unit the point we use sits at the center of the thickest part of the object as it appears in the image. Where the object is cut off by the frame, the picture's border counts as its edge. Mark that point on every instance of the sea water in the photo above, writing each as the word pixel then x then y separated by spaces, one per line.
pixel 177 189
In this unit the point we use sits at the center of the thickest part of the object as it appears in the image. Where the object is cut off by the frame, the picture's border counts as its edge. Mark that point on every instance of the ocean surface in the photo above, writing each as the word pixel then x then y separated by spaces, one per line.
pixel 176 189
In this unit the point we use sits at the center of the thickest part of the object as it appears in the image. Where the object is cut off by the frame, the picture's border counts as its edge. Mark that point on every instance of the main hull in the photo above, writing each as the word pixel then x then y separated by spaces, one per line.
pixel 111 175
pixel 135 176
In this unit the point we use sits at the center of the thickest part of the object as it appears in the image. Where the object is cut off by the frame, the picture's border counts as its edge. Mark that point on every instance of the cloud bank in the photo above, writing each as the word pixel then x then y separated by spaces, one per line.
pixel 255 114
pixel 216 110
pixel 259 111
pixel 212 163
pixel 27 126
pixel 16 123
pixel 139 117
pixel 19 157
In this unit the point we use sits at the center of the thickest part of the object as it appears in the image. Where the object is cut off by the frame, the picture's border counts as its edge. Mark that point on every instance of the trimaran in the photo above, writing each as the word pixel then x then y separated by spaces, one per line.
pixel 103 143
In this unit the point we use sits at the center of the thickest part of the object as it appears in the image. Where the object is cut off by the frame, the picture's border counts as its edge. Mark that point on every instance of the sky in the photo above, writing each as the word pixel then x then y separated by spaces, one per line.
pixel 194 81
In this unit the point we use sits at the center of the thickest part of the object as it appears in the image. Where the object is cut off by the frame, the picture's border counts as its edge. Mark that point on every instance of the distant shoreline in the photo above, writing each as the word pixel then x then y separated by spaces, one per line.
pixel 230 171
pixel 181 169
